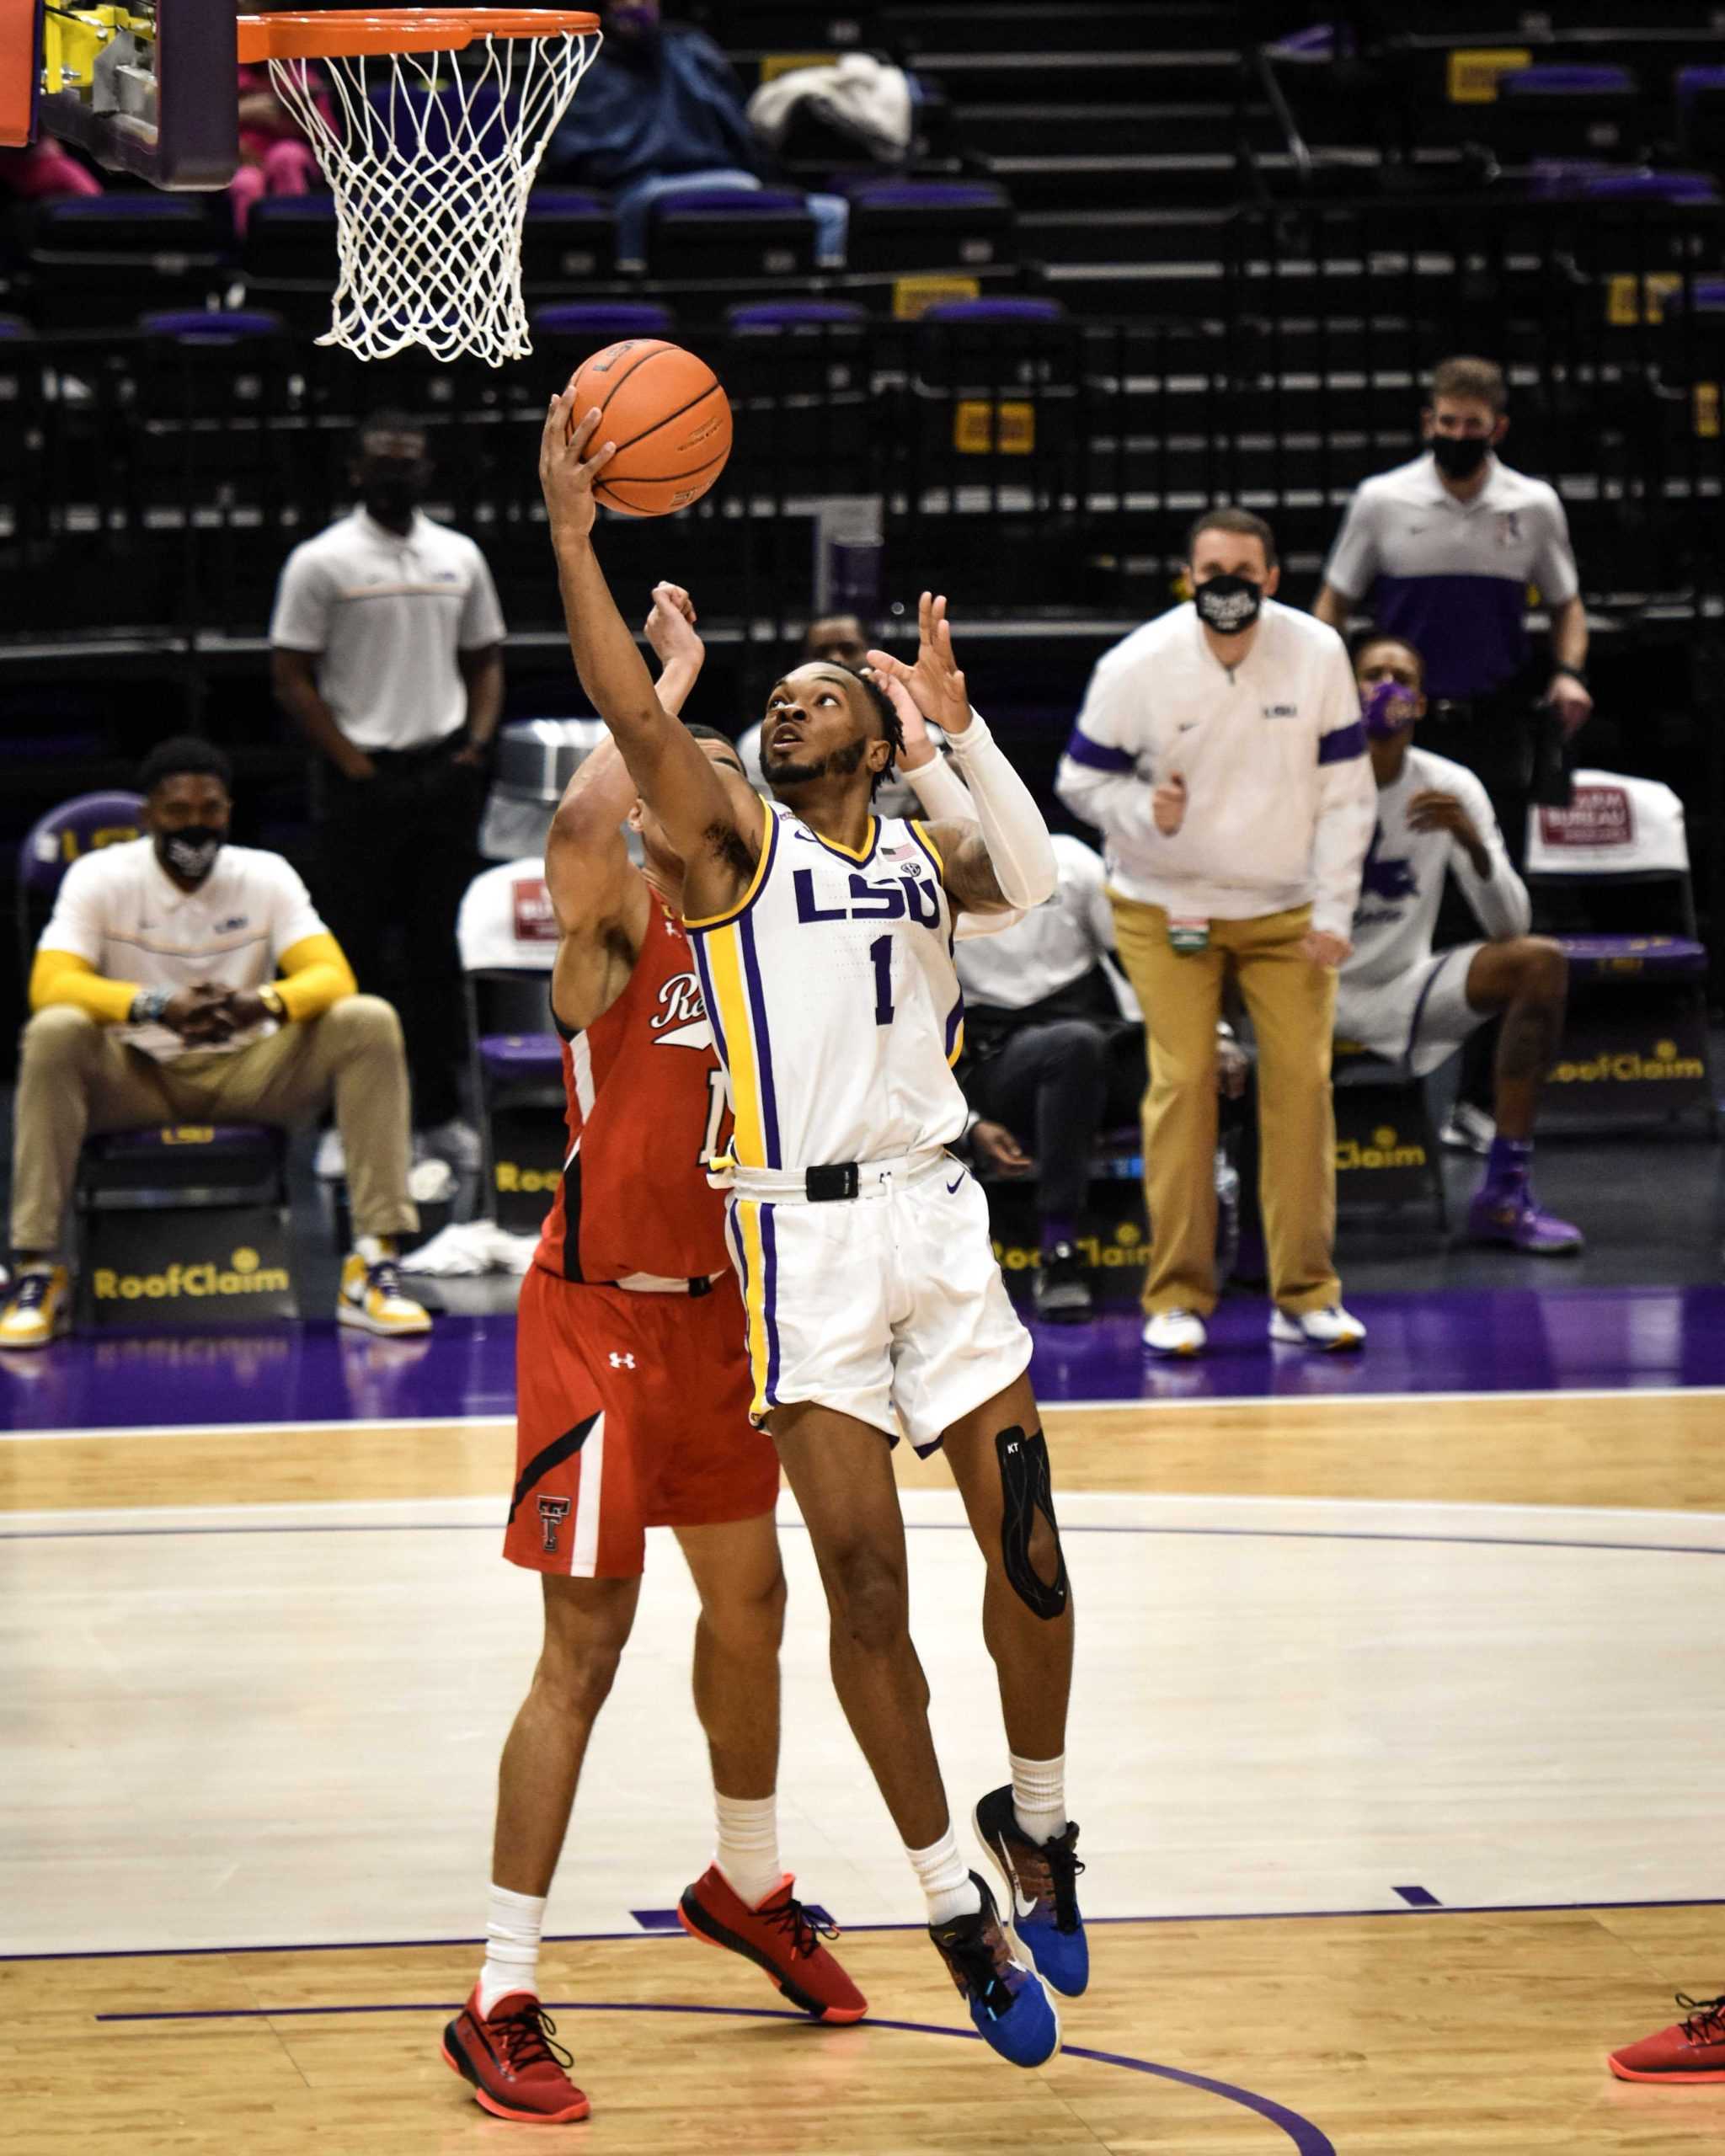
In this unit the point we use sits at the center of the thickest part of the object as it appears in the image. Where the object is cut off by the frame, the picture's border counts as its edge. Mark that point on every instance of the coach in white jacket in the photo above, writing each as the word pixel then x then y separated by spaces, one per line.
pixel 1220 751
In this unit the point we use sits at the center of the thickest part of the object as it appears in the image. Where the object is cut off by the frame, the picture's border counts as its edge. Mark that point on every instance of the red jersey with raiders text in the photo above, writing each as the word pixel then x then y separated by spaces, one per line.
pixel 646 1111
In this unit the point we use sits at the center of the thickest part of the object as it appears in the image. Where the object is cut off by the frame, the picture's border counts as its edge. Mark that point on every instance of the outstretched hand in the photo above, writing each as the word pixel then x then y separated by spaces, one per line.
pixel 934 684
pixel 567 472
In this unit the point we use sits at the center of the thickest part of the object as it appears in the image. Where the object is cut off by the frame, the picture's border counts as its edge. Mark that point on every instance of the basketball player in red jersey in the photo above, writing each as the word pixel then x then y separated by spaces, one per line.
pixel 632 1412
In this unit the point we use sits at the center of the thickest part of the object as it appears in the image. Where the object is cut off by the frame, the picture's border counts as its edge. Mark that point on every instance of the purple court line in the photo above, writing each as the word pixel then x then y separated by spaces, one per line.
pixel 932 1527
pixel 595 1938
pixel 1309 2139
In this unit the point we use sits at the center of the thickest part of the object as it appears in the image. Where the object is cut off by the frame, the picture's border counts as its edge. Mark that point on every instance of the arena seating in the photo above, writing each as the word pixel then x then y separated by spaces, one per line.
pixel 507 939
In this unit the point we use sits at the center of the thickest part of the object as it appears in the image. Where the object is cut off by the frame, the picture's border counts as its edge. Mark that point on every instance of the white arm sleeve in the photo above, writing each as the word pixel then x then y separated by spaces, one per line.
pixel 1013 830
pixel 1500 902
pixel 946 799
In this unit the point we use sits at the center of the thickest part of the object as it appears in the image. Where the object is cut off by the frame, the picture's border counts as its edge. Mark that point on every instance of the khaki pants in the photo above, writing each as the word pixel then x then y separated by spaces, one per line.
pixel 1292 1004
pixel 75 1077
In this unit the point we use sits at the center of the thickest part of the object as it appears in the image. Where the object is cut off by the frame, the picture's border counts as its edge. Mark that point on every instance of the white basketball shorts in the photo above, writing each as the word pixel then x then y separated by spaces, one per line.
pixel 888 1306
pixel 1423 1015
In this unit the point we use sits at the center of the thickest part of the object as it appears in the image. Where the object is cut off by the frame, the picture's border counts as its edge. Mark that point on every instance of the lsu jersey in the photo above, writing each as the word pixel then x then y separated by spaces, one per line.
pixel 836 1008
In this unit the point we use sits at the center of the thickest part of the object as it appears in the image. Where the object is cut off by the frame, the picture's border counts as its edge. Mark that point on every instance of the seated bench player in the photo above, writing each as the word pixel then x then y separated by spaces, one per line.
pixel 182 979
pixel 1402 1001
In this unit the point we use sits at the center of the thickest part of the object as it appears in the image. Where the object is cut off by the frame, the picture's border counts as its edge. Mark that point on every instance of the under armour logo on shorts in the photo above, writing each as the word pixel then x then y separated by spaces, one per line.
pixel 622 1361
pixel 552 1513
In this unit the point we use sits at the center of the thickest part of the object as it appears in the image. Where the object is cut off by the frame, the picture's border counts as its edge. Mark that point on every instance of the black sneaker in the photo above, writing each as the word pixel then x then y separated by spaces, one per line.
pixel 1061 1294
pixel 1041 1883
pixel 1009 2003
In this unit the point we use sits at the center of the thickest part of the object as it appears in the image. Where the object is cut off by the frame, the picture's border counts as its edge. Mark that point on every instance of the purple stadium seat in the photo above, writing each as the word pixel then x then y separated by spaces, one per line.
pixel 597 323
pixel 1566 81
pixel 199 326
pixel 903 226
pixel 703 234
pixel 569 238
pixel 66 833
pixel 795 314
pixel 1006 309
pixel 1650 187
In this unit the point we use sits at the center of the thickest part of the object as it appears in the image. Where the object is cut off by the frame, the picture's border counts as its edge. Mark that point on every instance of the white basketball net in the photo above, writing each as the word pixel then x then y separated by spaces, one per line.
pixel 430 157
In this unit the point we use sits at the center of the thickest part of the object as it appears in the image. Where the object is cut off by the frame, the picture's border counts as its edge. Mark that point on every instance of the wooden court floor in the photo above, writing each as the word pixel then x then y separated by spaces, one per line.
pixel 253 1683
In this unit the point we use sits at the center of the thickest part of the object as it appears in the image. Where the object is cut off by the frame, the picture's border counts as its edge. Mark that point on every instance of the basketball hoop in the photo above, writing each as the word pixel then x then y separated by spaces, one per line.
pixel 430 136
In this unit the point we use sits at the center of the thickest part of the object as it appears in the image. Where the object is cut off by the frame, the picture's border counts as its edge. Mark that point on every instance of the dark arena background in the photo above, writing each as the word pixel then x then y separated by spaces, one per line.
pixel 1398 1699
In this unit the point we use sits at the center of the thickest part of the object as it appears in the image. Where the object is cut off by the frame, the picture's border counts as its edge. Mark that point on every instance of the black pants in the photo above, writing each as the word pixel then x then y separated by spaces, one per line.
pixel 1052 1086
pixel 399 851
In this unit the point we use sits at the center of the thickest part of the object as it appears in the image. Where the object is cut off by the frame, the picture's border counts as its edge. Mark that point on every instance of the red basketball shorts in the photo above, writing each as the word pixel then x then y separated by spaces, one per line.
pixel 632 1412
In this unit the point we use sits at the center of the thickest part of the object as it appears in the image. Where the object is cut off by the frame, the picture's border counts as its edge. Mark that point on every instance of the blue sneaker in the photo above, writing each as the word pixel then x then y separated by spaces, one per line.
pixel 1040 1879
pixel 1012 2013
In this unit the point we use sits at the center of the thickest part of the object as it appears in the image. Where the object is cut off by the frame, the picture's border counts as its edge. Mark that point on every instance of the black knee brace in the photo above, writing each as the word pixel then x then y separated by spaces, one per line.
pixel 1025 1490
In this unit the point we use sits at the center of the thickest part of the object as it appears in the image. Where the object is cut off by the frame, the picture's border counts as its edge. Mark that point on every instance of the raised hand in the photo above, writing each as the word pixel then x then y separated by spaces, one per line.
pixel 934 683
pixel 670 626
pixel 919 743
pixel 567 472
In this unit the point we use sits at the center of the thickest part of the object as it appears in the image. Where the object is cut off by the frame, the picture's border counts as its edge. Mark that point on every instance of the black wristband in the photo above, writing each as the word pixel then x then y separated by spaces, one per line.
pixel 1575 674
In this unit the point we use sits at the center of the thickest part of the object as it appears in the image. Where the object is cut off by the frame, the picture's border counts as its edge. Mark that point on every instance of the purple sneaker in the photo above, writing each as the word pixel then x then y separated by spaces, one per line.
pixel 1508 1214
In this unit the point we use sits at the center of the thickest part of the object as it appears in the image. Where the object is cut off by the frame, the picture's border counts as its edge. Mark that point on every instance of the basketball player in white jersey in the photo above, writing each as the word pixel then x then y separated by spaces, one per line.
pixel 1396 998
pixel 823 938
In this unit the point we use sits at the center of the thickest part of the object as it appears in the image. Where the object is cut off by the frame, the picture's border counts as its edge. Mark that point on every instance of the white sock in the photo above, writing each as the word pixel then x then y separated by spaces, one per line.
pixel 946 1880
pixel 1039 1795
pixel 748 1845
pixel 513 1924
pixel 374 1249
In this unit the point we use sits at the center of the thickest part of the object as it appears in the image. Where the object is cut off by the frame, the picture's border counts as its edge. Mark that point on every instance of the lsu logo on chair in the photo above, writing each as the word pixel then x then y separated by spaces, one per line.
pixel 243 1275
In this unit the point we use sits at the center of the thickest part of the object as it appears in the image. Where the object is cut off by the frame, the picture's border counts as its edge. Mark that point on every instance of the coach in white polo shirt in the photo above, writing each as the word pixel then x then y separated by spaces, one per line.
pixel 1442 552
pixel 182 979
pixel 1220 751
pixel 387 653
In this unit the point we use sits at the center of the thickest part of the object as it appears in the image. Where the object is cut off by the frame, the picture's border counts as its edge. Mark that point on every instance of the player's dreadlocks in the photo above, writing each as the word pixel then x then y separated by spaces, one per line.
pixel 890 725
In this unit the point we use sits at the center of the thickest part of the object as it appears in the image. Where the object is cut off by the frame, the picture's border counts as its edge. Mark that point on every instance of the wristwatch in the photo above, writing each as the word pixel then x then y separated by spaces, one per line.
pixel 1574 674
pixel 271 998
pixel 147 1006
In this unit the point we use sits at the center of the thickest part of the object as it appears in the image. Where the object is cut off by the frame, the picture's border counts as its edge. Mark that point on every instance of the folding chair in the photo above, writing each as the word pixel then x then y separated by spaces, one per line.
pixel 507 935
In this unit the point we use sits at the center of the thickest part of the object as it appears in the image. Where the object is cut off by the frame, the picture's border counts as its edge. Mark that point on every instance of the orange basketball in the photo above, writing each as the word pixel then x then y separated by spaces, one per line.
pixel 669 417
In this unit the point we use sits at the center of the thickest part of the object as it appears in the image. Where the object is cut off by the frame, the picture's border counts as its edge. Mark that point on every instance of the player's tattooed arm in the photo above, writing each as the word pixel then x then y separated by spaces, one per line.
pixel 711 817
pixel 971 883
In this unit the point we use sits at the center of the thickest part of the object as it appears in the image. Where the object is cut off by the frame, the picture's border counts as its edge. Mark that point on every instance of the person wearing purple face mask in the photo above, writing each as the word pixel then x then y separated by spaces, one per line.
pixel 1398 999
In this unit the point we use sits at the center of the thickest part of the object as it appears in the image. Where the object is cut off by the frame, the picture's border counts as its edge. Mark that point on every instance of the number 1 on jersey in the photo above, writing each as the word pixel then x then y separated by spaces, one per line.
pixel 881 951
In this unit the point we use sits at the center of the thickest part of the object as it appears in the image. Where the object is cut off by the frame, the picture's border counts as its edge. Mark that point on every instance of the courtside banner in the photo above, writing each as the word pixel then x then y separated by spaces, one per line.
pixel 187 1272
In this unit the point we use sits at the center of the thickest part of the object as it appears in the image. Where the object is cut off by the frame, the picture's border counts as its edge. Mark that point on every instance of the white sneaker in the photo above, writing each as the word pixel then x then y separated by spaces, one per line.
pixel 1174 1332
pixel 1333 1329
pixel 456 1141
pixel 330 1164
pixel 1468 1130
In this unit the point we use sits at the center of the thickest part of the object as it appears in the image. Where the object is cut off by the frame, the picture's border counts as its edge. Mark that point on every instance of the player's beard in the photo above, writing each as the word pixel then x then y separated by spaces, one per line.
pixel 839 764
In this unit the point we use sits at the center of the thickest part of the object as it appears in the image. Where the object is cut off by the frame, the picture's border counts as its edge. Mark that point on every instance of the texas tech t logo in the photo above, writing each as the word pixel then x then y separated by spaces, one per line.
pixel 552 1513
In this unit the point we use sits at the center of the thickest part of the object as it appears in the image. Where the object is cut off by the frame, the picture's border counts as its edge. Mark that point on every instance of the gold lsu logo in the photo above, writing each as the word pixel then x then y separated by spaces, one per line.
pixel 244 1274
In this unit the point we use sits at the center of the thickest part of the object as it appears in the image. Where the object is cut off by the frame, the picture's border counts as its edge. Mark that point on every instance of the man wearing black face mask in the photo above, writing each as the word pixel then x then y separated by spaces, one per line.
pixel 183 980
pixel 1220 751
pixel 1442 552
pixel 388 655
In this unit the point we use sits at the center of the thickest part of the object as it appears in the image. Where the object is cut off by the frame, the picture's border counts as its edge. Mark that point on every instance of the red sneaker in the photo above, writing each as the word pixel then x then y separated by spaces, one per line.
pixel 1689 2050
pixel 779 1935
pixel 517 2071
